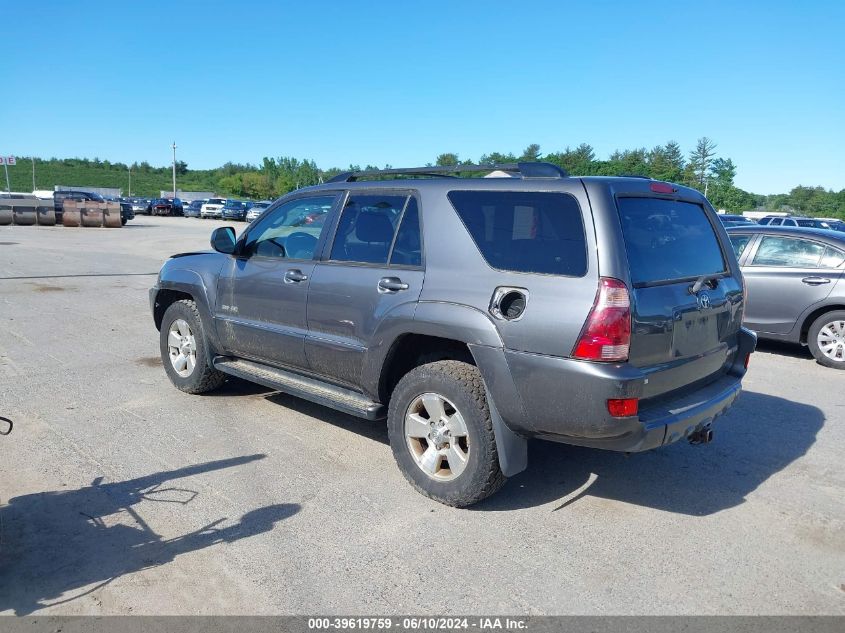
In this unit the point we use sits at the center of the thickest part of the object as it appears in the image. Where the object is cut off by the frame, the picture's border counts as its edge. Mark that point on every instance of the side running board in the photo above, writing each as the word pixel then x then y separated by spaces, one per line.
pixel 345 400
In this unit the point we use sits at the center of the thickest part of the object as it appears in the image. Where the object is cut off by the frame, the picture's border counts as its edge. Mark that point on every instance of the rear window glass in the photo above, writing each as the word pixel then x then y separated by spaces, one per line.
pixel 530 232
pixel 668 240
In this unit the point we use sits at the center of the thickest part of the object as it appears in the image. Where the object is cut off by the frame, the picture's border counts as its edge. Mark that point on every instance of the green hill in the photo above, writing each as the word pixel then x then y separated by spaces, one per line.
pixel 702 169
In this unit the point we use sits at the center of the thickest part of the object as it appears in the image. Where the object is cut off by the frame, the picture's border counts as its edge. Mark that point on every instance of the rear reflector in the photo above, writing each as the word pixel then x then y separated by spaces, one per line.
pixel 661 187
pixel 607 333
pixel 623 408
pixel 747 360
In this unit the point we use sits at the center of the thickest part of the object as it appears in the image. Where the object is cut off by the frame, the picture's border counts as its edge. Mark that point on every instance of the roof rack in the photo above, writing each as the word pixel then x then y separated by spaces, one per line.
pixel 526 170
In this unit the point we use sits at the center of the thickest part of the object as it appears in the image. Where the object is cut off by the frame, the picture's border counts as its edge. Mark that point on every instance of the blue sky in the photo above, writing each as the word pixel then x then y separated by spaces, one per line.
pixel 400 82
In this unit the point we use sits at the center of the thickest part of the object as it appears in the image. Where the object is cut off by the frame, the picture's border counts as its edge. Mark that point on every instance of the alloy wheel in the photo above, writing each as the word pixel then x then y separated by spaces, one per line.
pixel 182 348
pixel 437 437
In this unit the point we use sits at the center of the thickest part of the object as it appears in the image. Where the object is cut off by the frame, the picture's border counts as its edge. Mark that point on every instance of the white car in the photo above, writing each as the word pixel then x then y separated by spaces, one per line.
pixel 213 208
pixel 257 209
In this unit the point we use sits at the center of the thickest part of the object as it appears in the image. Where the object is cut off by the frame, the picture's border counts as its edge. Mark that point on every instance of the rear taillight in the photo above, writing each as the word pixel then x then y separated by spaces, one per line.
pixel 607 333
pixel 623 407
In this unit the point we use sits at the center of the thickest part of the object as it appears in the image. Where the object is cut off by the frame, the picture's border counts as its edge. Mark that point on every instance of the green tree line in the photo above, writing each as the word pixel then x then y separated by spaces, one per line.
pixel 702 168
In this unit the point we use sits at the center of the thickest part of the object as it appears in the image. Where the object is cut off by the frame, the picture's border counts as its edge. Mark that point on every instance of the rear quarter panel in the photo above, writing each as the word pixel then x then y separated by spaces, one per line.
pixel 457 273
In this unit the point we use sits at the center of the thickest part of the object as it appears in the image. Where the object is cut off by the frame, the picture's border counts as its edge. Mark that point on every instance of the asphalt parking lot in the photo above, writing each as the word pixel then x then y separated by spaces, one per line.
pixel 120 494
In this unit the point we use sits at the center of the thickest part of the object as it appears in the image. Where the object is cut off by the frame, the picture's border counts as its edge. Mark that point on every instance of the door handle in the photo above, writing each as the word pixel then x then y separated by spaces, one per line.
pixel 391 284
pixel 295 276
pixel 815 281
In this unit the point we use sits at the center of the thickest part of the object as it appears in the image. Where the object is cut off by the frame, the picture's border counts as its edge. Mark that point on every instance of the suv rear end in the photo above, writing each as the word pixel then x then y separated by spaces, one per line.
pixel 630 336
pixel 687 350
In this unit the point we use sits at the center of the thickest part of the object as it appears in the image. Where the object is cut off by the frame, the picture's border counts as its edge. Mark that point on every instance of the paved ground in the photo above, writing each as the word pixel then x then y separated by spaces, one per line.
pixel 120 494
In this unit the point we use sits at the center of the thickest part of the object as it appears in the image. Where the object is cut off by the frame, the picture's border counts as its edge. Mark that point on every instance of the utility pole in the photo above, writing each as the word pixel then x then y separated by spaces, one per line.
pixel 33 173
pixel 174 169
pixel 130 180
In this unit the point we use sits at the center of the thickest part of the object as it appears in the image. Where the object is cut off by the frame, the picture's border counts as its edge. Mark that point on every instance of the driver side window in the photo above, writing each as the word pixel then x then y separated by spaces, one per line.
pixel 290 231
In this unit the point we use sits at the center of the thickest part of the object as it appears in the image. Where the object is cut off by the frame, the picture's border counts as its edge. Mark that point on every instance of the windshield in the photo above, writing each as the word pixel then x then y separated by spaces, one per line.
pixel 668 240
pixel 216 201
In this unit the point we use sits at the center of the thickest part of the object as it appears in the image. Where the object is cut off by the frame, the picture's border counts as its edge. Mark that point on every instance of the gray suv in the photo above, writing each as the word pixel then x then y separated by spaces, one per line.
pixel 473 313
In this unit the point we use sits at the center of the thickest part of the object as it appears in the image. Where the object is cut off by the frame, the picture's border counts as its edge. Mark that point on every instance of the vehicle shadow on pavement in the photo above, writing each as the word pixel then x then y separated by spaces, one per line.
pixel 784 349
pixel 760 436
pixel 58 546
pixel 238 387
pixel 375 430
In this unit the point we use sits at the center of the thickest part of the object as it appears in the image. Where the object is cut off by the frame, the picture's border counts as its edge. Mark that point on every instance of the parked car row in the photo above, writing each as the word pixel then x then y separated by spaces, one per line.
pixel 780 220
pixel 216 208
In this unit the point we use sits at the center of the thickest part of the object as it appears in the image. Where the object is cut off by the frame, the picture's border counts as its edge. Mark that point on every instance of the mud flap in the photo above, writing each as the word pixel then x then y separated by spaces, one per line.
pixel 512 448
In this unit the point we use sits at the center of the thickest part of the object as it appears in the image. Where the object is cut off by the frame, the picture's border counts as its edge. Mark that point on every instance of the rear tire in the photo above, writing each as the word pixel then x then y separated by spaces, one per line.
pixel 826 339
pixel 441 433
pixel 184 350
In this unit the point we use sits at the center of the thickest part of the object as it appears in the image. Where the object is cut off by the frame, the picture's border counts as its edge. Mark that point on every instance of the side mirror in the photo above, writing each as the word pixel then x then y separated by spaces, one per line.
pixel 223 240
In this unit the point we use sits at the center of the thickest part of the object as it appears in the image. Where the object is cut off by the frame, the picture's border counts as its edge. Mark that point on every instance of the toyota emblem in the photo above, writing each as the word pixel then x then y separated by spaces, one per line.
pixel 703 301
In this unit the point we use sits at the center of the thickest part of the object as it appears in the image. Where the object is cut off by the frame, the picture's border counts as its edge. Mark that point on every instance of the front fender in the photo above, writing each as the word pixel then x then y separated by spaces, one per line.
pixel 194 275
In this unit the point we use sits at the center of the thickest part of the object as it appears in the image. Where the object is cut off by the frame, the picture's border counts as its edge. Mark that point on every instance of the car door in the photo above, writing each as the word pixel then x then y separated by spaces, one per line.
pixel 785 275
pixel 373 266
pixel 263 289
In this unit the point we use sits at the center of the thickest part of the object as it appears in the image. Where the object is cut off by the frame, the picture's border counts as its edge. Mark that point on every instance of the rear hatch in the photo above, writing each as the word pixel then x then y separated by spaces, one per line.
pixel 686 301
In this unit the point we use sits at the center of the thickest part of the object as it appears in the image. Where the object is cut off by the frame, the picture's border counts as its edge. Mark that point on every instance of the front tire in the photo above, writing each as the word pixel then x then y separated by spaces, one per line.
pixel 826 339
pixel 184 350
pixel 441 433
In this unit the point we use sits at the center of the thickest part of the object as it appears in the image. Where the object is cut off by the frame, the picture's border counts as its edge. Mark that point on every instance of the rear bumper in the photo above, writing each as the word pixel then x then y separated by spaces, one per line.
pixel 565 400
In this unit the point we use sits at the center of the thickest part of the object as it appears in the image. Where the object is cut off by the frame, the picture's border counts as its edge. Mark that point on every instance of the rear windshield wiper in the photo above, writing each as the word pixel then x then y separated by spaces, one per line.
pixel 704 279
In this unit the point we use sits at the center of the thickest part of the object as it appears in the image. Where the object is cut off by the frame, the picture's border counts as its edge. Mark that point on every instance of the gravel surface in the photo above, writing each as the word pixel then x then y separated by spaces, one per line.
pixel 120 494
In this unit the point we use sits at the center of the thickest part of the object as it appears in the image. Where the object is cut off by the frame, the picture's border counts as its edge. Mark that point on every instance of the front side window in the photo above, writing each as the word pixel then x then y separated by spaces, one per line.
pixel 290 231
pixel 788 252
pixel 529 232
pixel 366 228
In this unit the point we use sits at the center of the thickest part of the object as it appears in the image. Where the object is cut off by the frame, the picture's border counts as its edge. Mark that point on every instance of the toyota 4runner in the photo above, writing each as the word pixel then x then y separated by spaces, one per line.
pixel 473 313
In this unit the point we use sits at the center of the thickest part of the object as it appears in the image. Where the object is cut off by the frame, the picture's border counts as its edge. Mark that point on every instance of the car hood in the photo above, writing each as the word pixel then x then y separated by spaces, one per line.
pixel 187 254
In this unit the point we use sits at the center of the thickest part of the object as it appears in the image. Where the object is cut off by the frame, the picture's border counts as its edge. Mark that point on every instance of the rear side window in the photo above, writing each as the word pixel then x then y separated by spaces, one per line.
pixel 407 249
pixel 668 240
pixel 528 232
pixel 366 228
